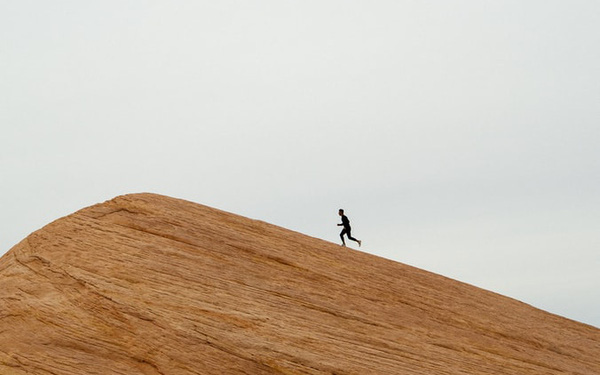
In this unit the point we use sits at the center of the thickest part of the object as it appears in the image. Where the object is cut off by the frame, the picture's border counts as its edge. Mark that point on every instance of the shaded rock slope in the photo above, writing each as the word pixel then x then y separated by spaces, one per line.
pixel 146 284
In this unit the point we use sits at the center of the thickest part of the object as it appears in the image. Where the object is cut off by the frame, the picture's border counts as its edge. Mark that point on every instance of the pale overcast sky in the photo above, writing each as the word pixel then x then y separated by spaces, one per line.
pixel 461 137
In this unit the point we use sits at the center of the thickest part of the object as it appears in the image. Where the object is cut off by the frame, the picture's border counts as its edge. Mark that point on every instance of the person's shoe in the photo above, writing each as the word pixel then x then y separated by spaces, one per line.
pixel 343 245
pixel 359 242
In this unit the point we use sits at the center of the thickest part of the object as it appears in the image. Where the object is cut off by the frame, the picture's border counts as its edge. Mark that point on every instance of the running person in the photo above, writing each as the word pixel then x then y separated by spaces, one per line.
pixel 346 224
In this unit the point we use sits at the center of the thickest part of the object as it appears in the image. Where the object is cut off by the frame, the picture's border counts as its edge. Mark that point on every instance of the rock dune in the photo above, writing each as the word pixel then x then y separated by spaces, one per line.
pixel 147 284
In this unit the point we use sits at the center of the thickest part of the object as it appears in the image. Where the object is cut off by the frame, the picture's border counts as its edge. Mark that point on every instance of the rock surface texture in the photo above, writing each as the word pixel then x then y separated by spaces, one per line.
pixel 146 284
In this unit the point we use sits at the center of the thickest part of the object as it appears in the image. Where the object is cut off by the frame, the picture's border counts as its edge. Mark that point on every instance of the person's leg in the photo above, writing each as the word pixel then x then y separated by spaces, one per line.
pixel 342 236
pixel 353 239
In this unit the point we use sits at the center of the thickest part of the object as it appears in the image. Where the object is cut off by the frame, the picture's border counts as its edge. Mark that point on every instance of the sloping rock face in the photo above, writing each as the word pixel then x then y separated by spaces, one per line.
pixel 146 284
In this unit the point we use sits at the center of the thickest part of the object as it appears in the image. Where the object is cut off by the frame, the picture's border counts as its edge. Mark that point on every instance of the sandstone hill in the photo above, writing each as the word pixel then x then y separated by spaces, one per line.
pixel 146 284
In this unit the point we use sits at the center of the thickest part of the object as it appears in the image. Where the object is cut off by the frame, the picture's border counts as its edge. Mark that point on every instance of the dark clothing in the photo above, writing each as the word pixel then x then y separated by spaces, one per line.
pixel 346 230
pixel 346 223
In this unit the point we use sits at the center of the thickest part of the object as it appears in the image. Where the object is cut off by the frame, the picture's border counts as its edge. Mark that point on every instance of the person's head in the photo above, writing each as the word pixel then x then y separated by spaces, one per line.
pixel 340 212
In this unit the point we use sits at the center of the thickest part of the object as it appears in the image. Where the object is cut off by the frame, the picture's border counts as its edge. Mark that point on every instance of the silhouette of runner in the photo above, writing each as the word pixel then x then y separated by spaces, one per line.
pixel 346 224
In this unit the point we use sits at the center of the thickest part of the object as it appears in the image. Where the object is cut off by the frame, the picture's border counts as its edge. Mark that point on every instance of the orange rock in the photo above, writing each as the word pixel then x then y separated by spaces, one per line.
pixel 146 284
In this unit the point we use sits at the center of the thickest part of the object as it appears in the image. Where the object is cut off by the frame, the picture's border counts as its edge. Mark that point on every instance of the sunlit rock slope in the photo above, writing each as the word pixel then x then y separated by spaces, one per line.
pixel 146 284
